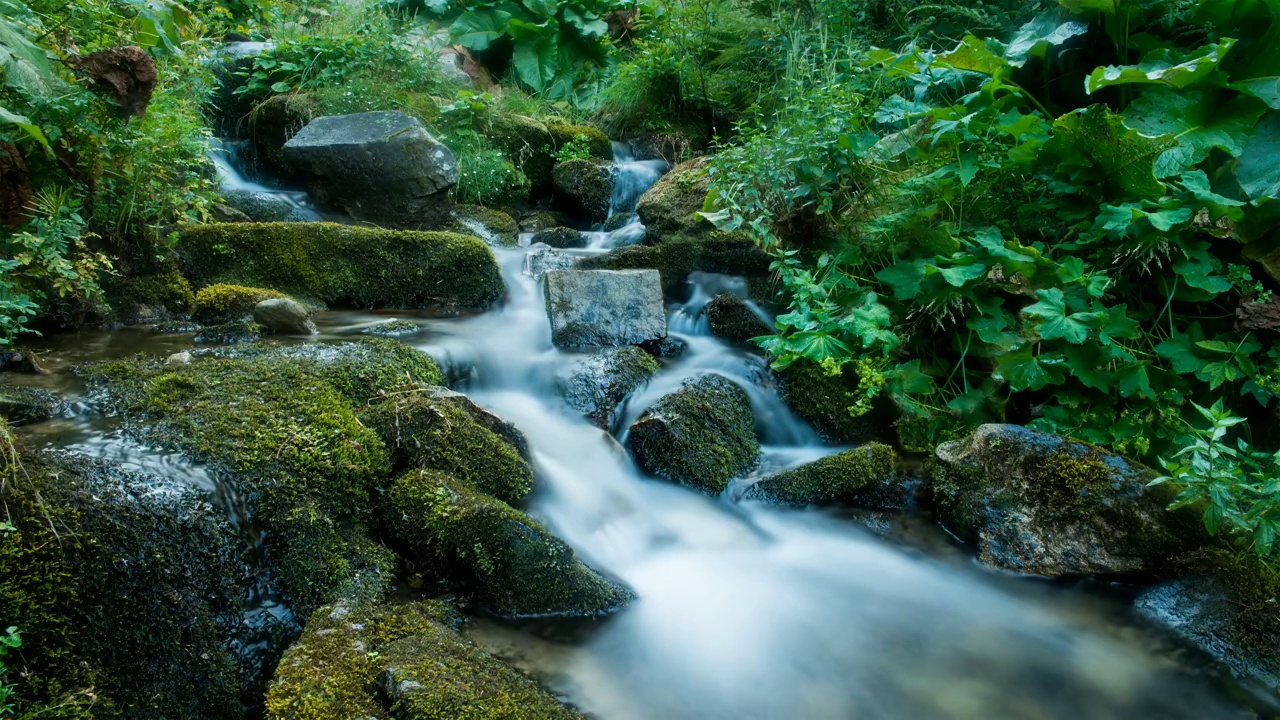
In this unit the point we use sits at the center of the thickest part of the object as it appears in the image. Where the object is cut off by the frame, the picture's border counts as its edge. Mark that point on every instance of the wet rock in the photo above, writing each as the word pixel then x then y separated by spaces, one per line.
pixel 274 123
pixel 378 166
pixel 823 398
pixel 733 320
pixel 512 565
pixel 560 237
pixel 263 207
pixel 15 188
pixel 676 258
pixel 23 405
pixel 344 265
pixel 229 333
pixel 672 205
pixel 596 384
pixel 127 74
pixel 407 659
pixel 864 477
pixel 1045 505
pixel 542 260
pixel 584 187
pixel 438 429
pixel 393 328
pixel 702 435
pixel 495 227
pixel 667 347
pixel 227 214
pixel 539 221
pixel 604 308
pixel 619 221
pixel 179 358
pixel 284 316
pixel 18 361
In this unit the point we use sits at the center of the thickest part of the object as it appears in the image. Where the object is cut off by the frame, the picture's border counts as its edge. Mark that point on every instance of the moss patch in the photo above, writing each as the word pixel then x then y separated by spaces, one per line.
pixel 823 401
pixel 565 133
pixel 864 477
pixel 149 297
pixel 345 265
pixel 671 206
pixel 223 303
pixel 731 319
pixel 511 564
pixel 493 226
pixel 584 187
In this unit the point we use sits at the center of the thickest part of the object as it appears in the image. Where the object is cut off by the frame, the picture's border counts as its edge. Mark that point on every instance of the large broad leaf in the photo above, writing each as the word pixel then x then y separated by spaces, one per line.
pixel 25 124
pixel 1054 321
pixel 587 24
pixel 477 29
pixel 23 64
pixel 1125 157
pixel 1258 70
pixel 1024 370
pixel 1162 67
pixel 1036 37
pixel 1259 170
pixel 541 8
pixel 536 60
pixel 980 56
pixel 1197 120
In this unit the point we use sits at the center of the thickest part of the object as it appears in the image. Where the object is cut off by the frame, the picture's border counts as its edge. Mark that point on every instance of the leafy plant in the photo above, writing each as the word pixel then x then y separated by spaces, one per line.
pixel 9 640
pixel 1238 486
pixel 579 148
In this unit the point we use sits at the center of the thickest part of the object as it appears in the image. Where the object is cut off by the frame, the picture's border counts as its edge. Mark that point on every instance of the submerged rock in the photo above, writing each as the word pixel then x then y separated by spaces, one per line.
pixel 702 435
pixel 596 384
pixel 1046 505
pixel 733 320
pixel 560 237
pixel 864 477
pixel 584 187
pixel 604 308
pixel 510 563
pixel 260 206
pixel 22 405
pixel 345 265
pixel 284 316
pixel 671 206
pixel 393 328
pixel 378 166
pixel 405 661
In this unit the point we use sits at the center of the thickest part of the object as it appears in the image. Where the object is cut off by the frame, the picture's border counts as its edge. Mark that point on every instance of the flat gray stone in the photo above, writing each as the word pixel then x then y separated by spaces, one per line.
pixel 604 308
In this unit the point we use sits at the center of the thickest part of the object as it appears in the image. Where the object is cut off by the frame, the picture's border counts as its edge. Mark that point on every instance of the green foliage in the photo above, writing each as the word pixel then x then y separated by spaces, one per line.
pixel 1008 251
pixel 579 148
pixel 1238 487
pixel 11 639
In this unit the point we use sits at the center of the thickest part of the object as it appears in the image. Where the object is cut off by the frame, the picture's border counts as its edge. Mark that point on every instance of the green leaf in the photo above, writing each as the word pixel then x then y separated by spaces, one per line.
pixel 1122 155
pixel 1258 172
pixel 980 56
pixel 1180 350
pixel 587 24
pixel 1196 121
pixel 536 60
pixel 1086 365
pixel 541 8
pixel 477 29
pixel 25 124
pixel 1133 380
pixel 1038 35
pixel 904 279
pixel 958 275
pixel 1162 67
pixel 1023 370
pixel 1054 321
pixel 23 64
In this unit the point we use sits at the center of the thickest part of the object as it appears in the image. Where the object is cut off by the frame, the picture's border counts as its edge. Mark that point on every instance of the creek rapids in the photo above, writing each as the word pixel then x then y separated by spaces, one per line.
pixel 743 611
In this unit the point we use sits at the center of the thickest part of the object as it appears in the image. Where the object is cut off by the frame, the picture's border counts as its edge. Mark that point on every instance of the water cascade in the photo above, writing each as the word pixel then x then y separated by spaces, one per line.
pixel 226 159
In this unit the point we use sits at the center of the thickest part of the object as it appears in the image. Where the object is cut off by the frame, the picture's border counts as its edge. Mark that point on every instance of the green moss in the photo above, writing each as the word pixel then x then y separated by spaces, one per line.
pixel 564 133
pixel 702 435
pixel 230 333
pixel 671 206
pixel 319 559
pixel 426 430
pixel 275 122
pixel 731 319
pixel 584 186
pixel 511 564
pixel 355 662
pixel 560 237
pixel 223 303
pixel 20 404
pixel 148 297
pixel 823 400
pixel 1254 591
pixel 864 476
pixel 345 265
pixel 676 257
pixel 528 144
pixel 492 226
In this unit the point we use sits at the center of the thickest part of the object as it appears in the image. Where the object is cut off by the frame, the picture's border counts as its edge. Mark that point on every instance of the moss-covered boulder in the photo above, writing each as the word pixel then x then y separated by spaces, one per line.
pixel 125 588
pixel 23 404
pixel 671 206
pixel 511 564
pixel 596 384
pixel 274 123
pixel 281 421
pixel 401 661
pixel 345 265
pixel 560 237
pixel 539 221
pixel 732 319
pixel 437 429
pixel 822 397
pixel 148 298
pixel 1045 505
pixel 223 302
pixel 528 144
pixel 583 188
pixel 493 226
pixel 864 477
pixel 393 328
pixel 675 258
pixel 564 133
pixel 701 435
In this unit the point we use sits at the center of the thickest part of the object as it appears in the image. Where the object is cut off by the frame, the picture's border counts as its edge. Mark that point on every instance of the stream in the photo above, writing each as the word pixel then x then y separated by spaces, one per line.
pixel 747 612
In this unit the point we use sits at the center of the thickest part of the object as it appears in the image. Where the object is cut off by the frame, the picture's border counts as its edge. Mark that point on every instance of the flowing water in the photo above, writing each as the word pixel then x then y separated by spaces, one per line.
pixel 745 612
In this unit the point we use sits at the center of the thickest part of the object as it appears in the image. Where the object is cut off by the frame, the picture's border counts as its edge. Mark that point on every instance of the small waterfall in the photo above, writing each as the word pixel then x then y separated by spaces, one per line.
pixel 632 178
pixel 225 156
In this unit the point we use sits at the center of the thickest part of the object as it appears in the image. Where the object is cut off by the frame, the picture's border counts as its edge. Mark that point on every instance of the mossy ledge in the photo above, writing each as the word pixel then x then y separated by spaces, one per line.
pixel 345 265
pixel 863 477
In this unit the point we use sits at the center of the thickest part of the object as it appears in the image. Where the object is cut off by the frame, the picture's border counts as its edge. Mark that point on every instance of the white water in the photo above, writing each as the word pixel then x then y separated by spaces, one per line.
pixel 231 179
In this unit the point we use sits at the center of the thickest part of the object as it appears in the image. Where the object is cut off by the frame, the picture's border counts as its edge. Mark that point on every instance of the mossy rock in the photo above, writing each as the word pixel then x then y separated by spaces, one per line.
pixel 281 421
pixel 675 258
pixel 702 435
pixel 23 405
pixel 597 384
pixel 539 221
pixel 345 265
pixel 584 188
pixel 564 133
pixel 560 237
pixel 436 429
pixel 401 661
pixel 495 227
pixel 148 298
pixel 125 588
pixel 733 320
pixel 863 477
pixel 223 303
pixel 1042 504
pixel 274 122
pixel 230 333
pixel 671 206
pixel 511 564
pixel 528 144
pixel 823 399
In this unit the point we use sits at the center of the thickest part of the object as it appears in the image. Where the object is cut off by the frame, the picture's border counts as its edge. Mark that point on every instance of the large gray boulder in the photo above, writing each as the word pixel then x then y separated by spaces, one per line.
pixel 1045 505
pixel 702 435
pixel 378 166
pixel 596 384
pixel 602 308
pixel 285 316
